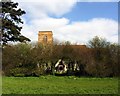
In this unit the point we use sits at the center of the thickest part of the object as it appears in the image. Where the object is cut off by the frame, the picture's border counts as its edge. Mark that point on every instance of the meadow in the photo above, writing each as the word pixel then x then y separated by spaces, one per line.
pixel 59 85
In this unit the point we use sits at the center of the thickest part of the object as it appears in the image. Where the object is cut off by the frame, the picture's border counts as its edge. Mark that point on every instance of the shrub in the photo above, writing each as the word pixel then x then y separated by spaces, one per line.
pixel 18 72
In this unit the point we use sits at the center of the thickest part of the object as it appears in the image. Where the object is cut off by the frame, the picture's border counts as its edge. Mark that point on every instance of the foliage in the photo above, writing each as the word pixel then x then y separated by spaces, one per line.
pixel 98 42
pixel 99 60
pixel 102 61
pixel 11 19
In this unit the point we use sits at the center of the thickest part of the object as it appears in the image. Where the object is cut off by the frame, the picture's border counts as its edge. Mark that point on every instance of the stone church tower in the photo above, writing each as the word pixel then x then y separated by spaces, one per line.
pixel 45 37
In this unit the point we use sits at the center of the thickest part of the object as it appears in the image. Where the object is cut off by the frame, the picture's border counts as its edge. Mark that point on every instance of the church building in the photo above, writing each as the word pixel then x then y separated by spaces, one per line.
pixel 61 67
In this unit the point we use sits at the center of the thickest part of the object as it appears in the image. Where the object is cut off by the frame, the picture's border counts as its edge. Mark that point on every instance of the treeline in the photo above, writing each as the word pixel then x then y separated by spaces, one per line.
pixel 98 58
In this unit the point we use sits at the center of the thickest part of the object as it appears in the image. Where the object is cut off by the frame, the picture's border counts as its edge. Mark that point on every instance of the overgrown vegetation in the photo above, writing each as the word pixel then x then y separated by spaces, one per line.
pixel 98 59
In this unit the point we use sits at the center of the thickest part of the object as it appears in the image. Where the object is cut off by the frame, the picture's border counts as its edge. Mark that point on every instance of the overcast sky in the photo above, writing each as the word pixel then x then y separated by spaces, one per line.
pixel 70 20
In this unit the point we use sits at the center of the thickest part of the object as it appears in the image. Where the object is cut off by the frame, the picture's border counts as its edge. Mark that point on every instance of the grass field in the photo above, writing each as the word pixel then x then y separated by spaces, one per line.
pixel 59 85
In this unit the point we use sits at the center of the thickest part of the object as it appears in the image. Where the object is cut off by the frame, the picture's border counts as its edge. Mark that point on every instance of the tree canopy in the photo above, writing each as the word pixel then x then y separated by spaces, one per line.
pixel 11 19
pixel 98 42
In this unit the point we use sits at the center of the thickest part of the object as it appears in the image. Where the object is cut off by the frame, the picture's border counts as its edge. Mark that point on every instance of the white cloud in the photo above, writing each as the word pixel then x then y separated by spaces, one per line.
pixel 44 7
pixel 50 23
pixel 41 8
pixel 84 31
pixel 37 19
pixel 31 30
pixel 79 32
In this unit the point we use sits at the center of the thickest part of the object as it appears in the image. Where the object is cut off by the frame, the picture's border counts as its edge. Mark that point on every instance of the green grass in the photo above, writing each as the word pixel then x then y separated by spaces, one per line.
pixel 59 85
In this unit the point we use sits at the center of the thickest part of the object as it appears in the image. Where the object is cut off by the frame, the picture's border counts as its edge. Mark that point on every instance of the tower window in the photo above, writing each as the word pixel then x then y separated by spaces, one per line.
pixel 45 38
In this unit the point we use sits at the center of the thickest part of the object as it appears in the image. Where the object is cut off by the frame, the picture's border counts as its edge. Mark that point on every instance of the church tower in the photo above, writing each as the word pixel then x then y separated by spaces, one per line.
pixel 45 37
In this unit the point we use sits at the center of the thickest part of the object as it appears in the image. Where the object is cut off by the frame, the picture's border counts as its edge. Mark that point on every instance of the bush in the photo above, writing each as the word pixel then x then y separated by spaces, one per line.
pixel 18 72
pixel 99 59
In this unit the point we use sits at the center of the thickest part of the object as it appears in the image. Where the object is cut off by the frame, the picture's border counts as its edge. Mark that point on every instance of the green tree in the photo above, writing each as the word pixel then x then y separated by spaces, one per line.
pixel 113 56
pixel 100 65
pixel 98 42
pixel 11 19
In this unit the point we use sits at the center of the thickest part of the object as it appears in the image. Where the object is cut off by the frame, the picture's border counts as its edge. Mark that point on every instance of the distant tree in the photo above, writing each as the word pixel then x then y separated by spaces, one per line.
pixel 98 42
pixel 8 61
pixel 100 65
pixel 11 18
pixel 113 57
pixel 18 57
pixel 67 43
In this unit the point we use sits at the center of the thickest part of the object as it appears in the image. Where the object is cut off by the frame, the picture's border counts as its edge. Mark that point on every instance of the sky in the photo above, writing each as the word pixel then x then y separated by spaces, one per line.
pixel 71 20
